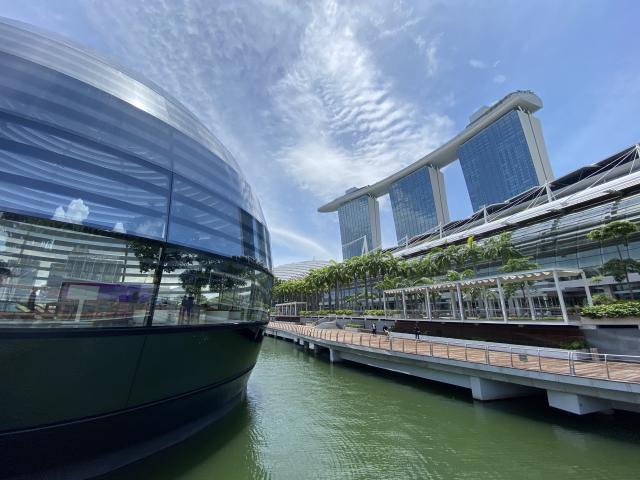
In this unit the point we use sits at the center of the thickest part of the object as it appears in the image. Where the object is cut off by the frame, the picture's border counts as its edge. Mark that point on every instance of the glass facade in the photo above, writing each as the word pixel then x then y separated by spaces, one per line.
pixel 356 231
pixel 96 168
pixel 413 205
pixel 497 163
pixel 561 241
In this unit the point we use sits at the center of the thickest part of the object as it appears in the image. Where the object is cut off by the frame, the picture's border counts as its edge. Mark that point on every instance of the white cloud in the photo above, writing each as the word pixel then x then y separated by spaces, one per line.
pixel 392 32
pixel 76 212
pixel 475 63
pixel 119 228
pixel 429 50
pixel 499 78
pixel 347 127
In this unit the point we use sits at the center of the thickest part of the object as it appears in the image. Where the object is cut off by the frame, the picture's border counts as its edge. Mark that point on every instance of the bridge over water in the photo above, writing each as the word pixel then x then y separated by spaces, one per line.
pixel 576 382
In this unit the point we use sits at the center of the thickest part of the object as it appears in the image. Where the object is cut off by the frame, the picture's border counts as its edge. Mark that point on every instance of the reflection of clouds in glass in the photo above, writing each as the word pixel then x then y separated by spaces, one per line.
pixel 119 228
pixel 151 228
pixel 76 212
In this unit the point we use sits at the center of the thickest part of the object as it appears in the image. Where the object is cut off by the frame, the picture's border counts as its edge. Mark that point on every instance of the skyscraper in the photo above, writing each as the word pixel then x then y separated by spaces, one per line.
pixel 502 153
pixel 418 203
pixel 359 226
pixel 504 159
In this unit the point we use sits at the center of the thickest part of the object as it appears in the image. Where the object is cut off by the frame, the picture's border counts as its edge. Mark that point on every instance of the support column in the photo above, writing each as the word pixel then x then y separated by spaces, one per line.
pixel 384 300
pixel 587 290
pixel 503 306
pixel 530 302
pixel 454 313
pixel 334 356
pixel 404 306
pixel 428 302
pixel 563 307
pixel 460 301
pixel 578 404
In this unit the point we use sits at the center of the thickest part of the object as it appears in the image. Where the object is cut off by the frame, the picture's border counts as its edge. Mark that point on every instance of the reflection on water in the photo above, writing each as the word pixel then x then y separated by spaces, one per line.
pixel 305 418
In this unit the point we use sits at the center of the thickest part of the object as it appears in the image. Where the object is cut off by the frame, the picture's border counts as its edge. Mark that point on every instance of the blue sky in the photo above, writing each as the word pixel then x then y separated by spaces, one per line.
pixel 313 98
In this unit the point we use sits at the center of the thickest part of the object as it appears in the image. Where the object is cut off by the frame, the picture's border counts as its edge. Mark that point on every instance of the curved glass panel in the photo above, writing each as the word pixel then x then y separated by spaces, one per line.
pixel 54 276
pixel 84 142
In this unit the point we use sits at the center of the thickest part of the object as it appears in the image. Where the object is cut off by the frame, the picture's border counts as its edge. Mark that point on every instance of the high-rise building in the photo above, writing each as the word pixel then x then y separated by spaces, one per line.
pixel 418 203
pixel 502 153
pixel 359 226
pixel 506 158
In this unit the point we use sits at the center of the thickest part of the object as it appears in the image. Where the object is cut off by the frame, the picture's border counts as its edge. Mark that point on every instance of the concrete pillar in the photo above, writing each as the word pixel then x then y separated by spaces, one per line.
pixel 460 301
pixel 404 306
pixel 452 298
pixel 484 389
pixel 312 346
pixel 578 404
pixel 563 307
pixel 428 302
pixel 334 356
pixel 384 299
pixel 530 302
pixel 503 306
pixel 587 290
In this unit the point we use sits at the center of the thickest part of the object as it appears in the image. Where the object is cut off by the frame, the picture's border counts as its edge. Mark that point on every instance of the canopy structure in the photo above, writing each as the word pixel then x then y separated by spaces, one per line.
pixel 290 309
pixel 498 296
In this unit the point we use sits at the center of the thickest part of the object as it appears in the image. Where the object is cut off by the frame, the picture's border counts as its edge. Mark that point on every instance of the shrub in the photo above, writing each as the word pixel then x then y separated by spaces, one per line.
pixel 353 325
pixel 374 313
pixel 575 345
pixel 619 309
pixel 602 299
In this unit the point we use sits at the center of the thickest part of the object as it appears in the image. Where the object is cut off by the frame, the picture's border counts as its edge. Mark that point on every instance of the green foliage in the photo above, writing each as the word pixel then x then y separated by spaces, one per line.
pixel 575 345
pixel 374 313
pixel 619 269
pixel 613 230
pixel 455 262
pixel 619 309
pixel 602 299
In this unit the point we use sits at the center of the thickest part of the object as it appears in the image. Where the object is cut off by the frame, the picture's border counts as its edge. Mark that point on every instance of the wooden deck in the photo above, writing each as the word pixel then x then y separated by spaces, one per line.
pixel 606 367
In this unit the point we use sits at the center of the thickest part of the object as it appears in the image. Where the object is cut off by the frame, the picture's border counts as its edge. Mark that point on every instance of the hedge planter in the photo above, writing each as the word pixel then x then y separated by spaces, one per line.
pixel 610 321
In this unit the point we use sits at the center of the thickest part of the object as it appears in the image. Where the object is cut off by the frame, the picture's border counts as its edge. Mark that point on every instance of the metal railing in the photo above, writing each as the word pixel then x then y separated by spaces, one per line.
pixel 623 368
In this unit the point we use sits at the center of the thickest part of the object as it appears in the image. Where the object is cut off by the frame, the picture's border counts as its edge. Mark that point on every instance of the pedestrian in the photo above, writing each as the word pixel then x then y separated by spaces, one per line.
pixel 189 307
pixel 31 303
pixel 373 328
pixel 183 310
pixel 417 332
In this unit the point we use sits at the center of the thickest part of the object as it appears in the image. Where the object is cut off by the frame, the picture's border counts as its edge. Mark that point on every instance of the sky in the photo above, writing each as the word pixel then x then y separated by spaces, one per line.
pixel 313 98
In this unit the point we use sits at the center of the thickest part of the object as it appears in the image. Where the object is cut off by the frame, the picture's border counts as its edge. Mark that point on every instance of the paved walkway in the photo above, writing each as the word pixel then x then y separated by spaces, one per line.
pixel 620 368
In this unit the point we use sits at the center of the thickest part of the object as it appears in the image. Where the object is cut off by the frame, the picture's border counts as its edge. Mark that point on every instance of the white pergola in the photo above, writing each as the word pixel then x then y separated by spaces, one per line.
pixel 496 281
pixel 290 309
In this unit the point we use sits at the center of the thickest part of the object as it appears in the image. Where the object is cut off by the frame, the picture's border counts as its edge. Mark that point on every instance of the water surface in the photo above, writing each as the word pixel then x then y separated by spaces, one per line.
pixel 307 419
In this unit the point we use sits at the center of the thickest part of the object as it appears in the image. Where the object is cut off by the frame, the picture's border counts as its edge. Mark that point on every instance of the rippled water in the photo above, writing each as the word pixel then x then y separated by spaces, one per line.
pixel 308 419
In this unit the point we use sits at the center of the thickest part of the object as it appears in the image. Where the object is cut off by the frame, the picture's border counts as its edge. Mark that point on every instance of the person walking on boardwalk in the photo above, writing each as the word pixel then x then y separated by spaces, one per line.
pixel 373 328
pixel 417 332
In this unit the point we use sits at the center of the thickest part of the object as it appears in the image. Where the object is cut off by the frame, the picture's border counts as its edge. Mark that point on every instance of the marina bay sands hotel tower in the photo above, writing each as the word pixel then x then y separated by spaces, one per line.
pixel 502 154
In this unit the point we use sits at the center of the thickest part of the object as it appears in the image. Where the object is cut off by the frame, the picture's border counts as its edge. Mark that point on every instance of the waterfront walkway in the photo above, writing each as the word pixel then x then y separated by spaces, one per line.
pixel 563 362
pixel 594 374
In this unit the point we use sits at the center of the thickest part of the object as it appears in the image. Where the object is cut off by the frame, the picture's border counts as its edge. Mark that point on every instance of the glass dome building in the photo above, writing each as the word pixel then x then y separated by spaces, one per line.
pixel 134 260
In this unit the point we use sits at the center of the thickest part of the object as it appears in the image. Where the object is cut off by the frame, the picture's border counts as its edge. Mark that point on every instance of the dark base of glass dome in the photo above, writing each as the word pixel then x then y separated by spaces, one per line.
pixel 95 445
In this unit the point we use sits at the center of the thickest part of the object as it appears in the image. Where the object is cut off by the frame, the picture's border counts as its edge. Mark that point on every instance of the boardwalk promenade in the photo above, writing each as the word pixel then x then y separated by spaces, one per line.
pixel 575 381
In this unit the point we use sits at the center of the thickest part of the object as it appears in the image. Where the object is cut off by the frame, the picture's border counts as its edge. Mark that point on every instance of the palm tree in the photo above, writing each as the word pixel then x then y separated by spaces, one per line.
pixel 519 264
pixel 619 230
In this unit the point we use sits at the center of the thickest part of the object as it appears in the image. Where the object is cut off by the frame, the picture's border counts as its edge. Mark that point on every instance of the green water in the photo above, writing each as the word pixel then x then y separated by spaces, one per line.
pixel 307 419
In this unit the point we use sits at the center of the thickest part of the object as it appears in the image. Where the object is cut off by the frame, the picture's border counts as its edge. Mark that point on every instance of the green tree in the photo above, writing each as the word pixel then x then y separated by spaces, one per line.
pixel 517 264
pixel 617 231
